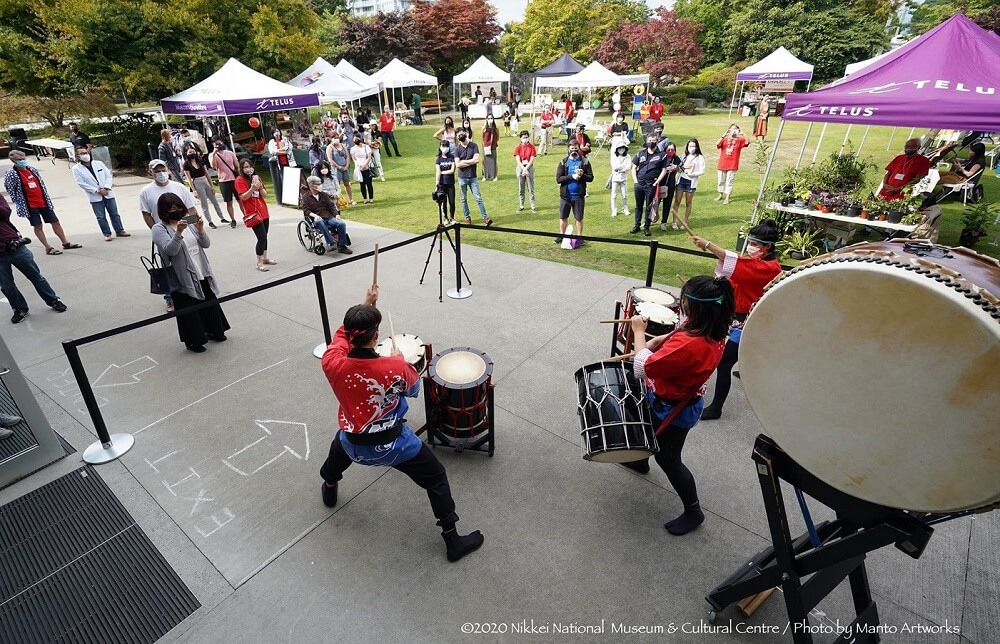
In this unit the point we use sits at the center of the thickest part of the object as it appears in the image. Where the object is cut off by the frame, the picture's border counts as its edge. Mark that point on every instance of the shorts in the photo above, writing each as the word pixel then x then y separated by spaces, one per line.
pixel 684 185
pixel 37 215
pixel 343 175
pixel 574 203
pixel 228 191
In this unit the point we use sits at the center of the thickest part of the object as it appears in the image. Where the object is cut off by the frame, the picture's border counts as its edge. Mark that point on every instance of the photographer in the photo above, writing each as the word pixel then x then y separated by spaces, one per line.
pixel 444 191
pixel 14 252
pixel 729 146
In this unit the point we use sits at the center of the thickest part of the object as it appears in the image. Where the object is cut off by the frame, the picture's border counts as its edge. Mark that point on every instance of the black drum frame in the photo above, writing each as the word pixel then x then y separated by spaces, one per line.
pixel 860 527
pixel 484 442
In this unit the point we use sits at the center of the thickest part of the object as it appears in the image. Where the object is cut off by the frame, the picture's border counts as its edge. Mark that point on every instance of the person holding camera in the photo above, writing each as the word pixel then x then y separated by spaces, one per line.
pixel 444 179
pixel 14 253
pixel 252 195
pixel 181 240
pixel 572 174
pixel 730 146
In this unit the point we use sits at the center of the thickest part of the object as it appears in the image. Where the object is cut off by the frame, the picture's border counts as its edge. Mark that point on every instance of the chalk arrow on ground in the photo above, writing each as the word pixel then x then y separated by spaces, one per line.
pixel 276 441
pixel 126 374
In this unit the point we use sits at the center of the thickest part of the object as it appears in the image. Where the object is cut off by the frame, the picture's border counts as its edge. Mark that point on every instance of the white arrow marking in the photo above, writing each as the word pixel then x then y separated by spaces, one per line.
pixel 262 439
pixel 126 372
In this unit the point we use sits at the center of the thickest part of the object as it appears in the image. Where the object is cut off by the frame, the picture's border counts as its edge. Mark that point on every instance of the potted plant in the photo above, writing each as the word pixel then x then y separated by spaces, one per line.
pixel 857 201
pixel 878 208
pixel 799 244
pixel 895 210
pixel 974 221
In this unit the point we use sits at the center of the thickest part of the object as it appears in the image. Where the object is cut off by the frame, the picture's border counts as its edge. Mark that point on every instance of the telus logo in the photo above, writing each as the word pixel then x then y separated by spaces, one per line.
pixel 945 85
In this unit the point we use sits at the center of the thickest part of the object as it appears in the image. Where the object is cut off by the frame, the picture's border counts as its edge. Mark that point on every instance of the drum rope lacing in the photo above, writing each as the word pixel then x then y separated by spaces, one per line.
pixel 981 297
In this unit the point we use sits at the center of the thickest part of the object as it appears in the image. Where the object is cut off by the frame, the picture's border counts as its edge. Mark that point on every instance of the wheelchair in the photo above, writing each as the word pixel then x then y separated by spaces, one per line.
pixel 311 239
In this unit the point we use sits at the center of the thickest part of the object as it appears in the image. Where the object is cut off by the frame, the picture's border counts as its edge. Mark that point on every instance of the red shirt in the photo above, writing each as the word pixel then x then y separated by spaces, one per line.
pixel 547 119
pixel 729 157
pixel 253 204
pixel 656 111
pixel 525 152
pixel 901 171
pixel 749 278
pixel 370 389
pixel 387 122
pixel 32 189
pixel 570 112
pixel 682 364
pixel 490 138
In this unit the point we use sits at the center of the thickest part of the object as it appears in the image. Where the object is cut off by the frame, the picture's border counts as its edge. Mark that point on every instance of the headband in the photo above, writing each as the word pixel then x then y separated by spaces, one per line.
pixel 714 300
pixel 760 241
pixel 353 333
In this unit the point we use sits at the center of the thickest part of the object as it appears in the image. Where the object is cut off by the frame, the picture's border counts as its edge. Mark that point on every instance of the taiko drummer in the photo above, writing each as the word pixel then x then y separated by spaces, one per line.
pixel 372 390
pixel 675 368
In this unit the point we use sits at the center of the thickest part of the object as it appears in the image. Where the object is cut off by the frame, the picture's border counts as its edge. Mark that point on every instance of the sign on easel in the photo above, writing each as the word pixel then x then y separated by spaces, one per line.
pixel 291 179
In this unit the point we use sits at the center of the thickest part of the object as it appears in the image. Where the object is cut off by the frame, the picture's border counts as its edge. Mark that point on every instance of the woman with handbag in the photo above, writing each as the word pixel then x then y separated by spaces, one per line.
pixel 182 252
pixel 362 155
pixel 255 216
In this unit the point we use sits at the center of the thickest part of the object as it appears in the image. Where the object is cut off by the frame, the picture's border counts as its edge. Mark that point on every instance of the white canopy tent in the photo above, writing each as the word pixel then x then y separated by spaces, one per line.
pixel 331 84
pixel 779 65
pixel 593 75
pixel 397 75
pixel 481 71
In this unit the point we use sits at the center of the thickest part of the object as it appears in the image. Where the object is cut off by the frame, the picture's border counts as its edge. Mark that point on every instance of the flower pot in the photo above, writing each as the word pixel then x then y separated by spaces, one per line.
pixel 798 203
pixel 796 255
pixel 883 217
pixel 896 216
pixel 821 208
pixel 969 238
pixel 853 211
pixel 864 214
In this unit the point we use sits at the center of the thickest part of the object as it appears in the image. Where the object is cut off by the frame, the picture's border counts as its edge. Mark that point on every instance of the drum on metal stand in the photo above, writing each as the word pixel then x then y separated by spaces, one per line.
pixel 615 420
pixel 459 399
pixel 653 303
pixel 414 350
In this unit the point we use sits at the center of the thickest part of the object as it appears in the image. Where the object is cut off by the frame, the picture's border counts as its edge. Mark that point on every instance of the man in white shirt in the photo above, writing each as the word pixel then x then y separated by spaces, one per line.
pixel 160 185
pixel 95 179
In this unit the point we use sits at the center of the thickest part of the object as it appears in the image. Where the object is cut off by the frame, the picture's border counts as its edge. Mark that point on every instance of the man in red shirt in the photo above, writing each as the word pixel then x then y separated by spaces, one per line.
pixel 656 109
pixel 903 171
pixel 546 120
pixel 387 127
pixel 729 147
pixel 15 254
pixel 27 190
pixel 372 392
pixel 525 154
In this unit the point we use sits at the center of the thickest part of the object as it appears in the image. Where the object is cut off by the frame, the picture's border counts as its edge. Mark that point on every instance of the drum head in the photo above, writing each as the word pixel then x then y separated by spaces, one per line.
pixel 881 381
pixel 650 294
pixel 461 367
pixel 411 346
pixel 619 456
pixel 658 313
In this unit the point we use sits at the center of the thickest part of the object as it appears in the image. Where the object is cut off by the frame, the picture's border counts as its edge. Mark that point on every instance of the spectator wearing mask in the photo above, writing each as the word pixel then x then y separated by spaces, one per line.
pixel 668 186
pixel 525 154
pixel 79 139
pixel 387 126
pixel 647 172
pixel 31 199
pixel 200 184
pixel 546 121
pixel 572 174
pixel 363 159
pixel 328 182
pixel 447 133
pixel 316 153
pixel 582 139
pixel 656 110
pixel 95 179
pixel 322 210
pixel 167 153
pixel 224 162
pixel 149 197
pixel 491 138
pixel 619 132
pixel 618 181
pixel 729 146
pixel 280 148
pixel 467 158
pixel 253 196
pixel 903 171
pixel 444 178
pixel 339 159
pixel 14 253
pixel 692 167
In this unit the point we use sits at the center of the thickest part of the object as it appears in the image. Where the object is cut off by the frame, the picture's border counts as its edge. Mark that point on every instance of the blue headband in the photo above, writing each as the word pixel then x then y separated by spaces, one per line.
pixel 760 241
pixel 715 300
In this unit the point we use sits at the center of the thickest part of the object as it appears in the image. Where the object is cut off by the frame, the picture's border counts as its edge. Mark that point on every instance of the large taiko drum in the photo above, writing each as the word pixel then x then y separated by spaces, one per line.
pixel 459 384
pixel 411 346
pixel 877 368
pixel 614 414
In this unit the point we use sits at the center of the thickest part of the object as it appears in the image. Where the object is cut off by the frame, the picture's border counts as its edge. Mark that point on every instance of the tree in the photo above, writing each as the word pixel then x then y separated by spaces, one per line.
pixel 370 43
pixel 827 33
pixel 456 32
pixel 641 46
pixel 712 16
pixel 56 109
pixel 550 29
pixel 280 43
pixel 933 12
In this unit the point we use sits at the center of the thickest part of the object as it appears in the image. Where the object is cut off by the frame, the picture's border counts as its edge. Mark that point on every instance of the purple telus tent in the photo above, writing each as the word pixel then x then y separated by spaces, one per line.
pixel 779 65
pixel 948 78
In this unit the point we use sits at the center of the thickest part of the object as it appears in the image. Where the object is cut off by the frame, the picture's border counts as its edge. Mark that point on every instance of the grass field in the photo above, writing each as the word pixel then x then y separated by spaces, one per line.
pixel 403 201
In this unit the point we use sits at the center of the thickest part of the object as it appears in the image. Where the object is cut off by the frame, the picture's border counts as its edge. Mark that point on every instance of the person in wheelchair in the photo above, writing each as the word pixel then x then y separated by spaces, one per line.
pixel 321 211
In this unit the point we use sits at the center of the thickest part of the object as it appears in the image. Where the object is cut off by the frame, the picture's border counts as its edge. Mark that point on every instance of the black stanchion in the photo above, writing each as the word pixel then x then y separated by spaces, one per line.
pixel 458 293
pixel 108 447
pixel 653 245
pixel 323 313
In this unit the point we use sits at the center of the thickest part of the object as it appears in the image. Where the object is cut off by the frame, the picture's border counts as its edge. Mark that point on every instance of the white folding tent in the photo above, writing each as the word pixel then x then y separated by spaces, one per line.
pixel 397 75
pixel 331 84
pixel 779 65
pixel 593 75
pixel 481 71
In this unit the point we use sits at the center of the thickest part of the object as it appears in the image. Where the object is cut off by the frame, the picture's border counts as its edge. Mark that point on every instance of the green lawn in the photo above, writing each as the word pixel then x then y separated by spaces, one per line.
pixel 403 201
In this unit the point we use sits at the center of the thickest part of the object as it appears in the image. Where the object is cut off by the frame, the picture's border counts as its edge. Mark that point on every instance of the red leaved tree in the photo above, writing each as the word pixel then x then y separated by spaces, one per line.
pixel 456 32
pixel 662 46
pixel 370 43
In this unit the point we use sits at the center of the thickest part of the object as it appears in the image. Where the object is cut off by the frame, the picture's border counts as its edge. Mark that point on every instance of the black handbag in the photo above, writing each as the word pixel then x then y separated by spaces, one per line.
pixel 162 279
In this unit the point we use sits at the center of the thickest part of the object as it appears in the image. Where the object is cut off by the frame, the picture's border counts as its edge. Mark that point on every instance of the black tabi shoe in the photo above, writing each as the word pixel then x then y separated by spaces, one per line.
pixel 329 494
pixel 711 413
pixel 460 545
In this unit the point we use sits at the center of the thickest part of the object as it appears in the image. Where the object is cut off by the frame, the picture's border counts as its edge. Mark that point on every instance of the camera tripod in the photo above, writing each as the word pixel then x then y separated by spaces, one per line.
pixel 440 235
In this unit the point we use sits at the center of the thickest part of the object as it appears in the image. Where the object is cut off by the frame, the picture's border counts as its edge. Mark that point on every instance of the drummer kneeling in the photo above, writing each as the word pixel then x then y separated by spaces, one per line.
pixel 674 368
pixel 373 431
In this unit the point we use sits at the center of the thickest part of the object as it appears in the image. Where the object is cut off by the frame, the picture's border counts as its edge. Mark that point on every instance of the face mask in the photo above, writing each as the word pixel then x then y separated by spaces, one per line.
pixel 175 215
pixel 218 147
pixel 21 163
pixel 187 139
pixel 651 145
pixel 444 150
pixel 462 137
pixel 161 177
pixel 756 252
pixel 248 171
pixel 193 156
pixel 670 153
pixel 324 172
pixel 85 158
pixel 525 140
pixel 357 141
pixel 573 154
pixel 692 149
pixel 909 153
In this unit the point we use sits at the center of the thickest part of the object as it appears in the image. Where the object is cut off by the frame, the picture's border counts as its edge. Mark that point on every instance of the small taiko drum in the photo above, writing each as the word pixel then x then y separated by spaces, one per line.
pixel 614 414
pixel 876 369
pixel 659 319
pixel 460 380
pixel 638 295
pixel 411 346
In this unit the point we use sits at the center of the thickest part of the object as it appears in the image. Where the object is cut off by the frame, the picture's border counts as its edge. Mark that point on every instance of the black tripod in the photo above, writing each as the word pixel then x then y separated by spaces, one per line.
pixel 440 235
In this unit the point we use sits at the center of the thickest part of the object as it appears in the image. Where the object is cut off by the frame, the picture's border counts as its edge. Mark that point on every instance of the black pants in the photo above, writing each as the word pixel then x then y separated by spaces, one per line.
pixel 387 138
pixel 671 442
pixel 724 374
pixel 367 190
pixel 195 328
pixel 260 230
pixel 449 191
pixel 644 194
pixel 424 469
pixel 667 191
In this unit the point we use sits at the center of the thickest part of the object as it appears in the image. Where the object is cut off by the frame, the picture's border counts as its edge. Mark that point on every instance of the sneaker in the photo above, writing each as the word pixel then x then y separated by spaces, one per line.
pixel 58 306
pixel 488 222
pixel 232 224
pixel 533 209
pixel 329 494
pixel 223 220
pixel 634 230
pixel 521 209
pixel 663 227
pixel 675 226
pixel 645 231
pixel 344 250
pixel 212 225
pixel 614 214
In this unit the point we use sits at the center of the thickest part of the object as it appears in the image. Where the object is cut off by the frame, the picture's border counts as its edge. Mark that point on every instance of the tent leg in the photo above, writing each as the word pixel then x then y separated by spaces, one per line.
pixel 805 140
pixel 232 144
pixel 892 134
pixel 767 171
pixel 437 91
pixel 733 99
pixel 844 144
pixel 862 144
pixel 819 143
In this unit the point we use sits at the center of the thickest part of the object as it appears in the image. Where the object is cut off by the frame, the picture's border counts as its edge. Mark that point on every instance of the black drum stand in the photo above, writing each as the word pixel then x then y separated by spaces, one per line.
pixel 483 442
pixel 830 552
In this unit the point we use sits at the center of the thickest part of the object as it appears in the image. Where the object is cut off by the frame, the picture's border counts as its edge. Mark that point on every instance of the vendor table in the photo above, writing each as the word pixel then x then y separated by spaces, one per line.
pixel 884 226
pixel 49 145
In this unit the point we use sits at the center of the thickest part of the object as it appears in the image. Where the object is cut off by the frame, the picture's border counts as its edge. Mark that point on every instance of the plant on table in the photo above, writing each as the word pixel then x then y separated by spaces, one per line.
pixel 843 172
pixel 975 218
pixel 800 244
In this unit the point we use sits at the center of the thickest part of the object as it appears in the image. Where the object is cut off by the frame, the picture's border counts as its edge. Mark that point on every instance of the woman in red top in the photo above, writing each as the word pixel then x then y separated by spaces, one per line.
pixel 675 367
pixel 656 109
pixel 750 274
pixel 255 217
pixel 491 137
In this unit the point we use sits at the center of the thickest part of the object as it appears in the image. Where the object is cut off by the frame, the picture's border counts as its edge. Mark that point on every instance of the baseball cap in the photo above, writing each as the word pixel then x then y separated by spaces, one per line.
pixel 155 163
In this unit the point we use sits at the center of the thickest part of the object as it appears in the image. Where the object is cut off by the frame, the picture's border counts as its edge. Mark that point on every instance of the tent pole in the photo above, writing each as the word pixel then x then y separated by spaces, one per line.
pixel 912 130
pixel 437 90
pixel 862 144
pixel 767 172
pixel 846 135
pixel 819 143
pixel 733 99
pixel 232 144
pixel 891 135
pixel 805 140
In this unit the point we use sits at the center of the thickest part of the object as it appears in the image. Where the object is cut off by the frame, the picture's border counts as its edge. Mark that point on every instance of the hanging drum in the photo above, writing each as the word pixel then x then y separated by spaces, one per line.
pixel 614 415
pixel 459 384
pixel 877 368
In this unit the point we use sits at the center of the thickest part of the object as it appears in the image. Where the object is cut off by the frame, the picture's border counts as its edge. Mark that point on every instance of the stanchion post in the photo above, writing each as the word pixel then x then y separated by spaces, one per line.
pixel 653 245
pixel 108 447
pixel 458 293
pixel 323 313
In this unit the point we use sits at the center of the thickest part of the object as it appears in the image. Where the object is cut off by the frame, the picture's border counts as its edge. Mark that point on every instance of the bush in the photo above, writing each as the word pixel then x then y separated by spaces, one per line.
pixel 712 94
pixel 683 107
pixel 127 137
pixel 719 75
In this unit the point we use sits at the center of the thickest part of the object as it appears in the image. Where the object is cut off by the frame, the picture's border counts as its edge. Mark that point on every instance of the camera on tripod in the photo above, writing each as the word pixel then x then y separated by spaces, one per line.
pixel 439 196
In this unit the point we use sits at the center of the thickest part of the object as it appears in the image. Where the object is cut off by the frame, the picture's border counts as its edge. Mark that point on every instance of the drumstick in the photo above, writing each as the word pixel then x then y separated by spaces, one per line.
pixel 680 278
pixel 375 268
pixel 614 321
pixel 624 356
pixel 392 334
pixel 687 228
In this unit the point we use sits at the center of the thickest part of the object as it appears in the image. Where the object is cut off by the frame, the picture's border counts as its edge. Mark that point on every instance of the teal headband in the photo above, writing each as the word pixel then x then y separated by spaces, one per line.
pixel 714 300
pixel 760 241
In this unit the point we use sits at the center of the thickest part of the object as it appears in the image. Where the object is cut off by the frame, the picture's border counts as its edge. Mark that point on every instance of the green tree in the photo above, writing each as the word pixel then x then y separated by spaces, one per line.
pixel 712 16
pixel 933 12
pixel 551 29
pixel 280 42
